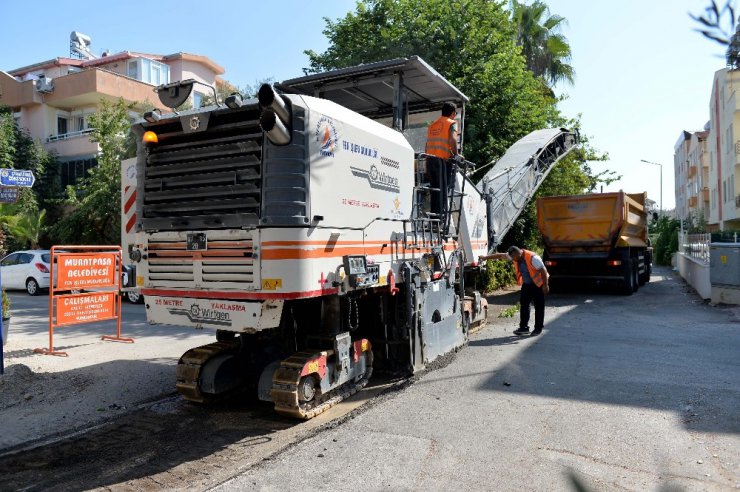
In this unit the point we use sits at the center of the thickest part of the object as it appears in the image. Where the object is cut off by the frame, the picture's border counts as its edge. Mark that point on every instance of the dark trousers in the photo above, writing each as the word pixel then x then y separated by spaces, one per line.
pixel 531 293
pixel 439 177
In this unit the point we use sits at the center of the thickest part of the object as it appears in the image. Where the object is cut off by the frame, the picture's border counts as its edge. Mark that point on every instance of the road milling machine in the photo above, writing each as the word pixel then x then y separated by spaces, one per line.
pixel 297 226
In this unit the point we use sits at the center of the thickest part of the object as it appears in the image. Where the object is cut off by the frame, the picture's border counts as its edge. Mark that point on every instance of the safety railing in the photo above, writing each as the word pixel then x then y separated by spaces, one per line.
pixel 695 245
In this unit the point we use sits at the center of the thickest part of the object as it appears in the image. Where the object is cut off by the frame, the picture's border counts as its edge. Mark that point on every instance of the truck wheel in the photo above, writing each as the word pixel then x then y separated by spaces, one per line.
pixel 628 286
pixel 635 275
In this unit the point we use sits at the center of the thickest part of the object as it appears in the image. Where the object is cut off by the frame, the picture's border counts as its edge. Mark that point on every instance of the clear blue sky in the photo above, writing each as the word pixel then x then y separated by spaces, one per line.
pixel 642 74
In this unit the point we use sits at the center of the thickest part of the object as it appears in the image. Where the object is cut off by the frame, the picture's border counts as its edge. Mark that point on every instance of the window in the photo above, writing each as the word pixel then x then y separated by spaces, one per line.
pixel 149 71
pixel 133 69
pixel 72 171
pixel 197 99
pixel 25 258
pixel 10 260
pixel 62 124
pixel 79 123
pixel 46 258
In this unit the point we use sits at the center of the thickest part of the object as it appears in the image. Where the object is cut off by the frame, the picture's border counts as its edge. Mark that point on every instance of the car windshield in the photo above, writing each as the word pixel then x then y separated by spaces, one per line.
pixel 46 258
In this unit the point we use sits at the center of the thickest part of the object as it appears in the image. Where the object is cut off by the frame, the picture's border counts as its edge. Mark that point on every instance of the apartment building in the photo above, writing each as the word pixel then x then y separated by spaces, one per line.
pixel 53 99
pixel 691 171
pixel 723 146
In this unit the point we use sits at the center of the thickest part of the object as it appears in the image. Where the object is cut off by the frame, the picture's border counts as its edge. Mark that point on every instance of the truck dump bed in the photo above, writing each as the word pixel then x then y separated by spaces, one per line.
pixel 592 224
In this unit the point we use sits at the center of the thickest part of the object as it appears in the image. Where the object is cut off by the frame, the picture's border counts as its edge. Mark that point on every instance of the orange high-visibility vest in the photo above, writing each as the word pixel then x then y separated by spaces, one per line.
pixel 438 138
pixel 533 272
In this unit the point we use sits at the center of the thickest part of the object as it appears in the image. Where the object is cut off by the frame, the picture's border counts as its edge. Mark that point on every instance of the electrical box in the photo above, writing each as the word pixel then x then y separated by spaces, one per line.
pixel 724 264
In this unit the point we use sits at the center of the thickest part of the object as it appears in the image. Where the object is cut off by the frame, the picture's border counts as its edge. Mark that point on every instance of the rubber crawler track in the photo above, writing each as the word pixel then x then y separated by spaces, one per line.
pixel 288 376
pixel 191 364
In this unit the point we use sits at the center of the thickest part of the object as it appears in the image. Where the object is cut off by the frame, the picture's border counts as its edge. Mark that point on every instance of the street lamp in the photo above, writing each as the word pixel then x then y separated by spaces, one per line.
pixel 661 181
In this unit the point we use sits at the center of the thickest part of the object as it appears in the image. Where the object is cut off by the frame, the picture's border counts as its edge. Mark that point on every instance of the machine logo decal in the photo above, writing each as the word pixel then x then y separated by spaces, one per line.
pixel 194 123
pixel 326 136
pixel 197 314
pixel 377 179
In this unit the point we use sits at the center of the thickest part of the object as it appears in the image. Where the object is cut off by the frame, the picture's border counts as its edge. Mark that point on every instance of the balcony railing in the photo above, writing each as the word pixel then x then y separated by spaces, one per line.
pixel 693 201
pixel 705 193
pixel 65 136
pixel 692 171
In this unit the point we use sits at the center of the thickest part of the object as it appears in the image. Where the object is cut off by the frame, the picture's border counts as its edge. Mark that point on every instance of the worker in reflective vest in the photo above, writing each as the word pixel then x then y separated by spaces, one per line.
pixel 532 275
pixel 441 146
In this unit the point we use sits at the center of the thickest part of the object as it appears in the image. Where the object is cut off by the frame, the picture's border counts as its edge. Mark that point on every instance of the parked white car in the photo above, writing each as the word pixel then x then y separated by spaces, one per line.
pixel 27 270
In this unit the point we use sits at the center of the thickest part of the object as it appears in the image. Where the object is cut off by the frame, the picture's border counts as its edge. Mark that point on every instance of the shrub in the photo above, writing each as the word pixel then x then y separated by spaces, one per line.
pixel 498 274
pixel 6 305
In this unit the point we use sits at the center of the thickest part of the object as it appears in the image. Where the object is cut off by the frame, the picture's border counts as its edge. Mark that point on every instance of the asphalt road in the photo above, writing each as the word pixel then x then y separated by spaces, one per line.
pixel 624 393
pixel 618 393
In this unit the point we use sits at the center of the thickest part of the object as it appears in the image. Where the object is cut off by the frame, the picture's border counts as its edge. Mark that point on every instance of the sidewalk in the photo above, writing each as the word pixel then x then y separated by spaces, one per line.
pixel 42 396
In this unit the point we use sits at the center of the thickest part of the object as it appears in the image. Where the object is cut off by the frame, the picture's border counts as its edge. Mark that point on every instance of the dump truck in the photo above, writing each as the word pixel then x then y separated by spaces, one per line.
pixel 598 237
pixel 294 226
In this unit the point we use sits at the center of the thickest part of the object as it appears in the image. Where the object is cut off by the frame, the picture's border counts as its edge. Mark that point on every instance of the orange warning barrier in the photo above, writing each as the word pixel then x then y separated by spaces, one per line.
pixel 93 271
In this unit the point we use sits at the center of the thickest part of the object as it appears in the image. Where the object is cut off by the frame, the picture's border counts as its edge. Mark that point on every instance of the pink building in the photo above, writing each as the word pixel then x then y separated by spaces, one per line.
pixel 54 99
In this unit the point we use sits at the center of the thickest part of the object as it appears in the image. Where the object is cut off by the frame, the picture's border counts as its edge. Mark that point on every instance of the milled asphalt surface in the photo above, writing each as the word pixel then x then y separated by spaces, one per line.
pixel 622 393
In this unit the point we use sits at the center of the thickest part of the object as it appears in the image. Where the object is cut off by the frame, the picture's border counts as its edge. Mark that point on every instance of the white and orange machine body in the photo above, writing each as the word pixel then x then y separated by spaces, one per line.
pixel 301 224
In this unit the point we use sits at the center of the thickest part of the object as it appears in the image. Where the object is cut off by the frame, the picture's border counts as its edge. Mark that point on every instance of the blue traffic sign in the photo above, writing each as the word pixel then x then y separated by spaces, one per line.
pixel 17 177
pixel 8 194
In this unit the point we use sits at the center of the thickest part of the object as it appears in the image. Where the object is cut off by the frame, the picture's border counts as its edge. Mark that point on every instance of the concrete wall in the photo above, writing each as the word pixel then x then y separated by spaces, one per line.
pixel 696 273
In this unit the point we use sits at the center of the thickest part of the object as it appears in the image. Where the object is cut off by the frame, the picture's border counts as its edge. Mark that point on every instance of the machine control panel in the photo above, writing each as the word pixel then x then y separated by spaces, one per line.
pixel 360 273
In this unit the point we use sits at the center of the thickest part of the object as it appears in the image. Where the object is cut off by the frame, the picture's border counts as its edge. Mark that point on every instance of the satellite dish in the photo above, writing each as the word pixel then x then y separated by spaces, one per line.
pixel 175 94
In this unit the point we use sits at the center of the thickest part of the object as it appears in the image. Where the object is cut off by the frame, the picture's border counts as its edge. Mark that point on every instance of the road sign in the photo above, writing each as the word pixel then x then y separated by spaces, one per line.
pixel 17 177
pixel 8 194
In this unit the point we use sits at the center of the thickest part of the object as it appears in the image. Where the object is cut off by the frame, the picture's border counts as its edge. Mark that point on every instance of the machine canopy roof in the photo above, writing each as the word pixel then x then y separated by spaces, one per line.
pixel 369 89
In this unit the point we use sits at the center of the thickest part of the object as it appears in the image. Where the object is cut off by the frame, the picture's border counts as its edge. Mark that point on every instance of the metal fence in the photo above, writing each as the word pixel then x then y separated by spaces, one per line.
pixel 695 245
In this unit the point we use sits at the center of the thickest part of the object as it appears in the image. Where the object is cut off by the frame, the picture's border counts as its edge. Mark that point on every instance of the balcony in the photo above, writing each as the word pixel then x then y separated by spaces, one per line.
pixel 77 89
pixel 65 136
pixel 73 144
pixel 705 194
pixel 693 169
pixel 693 200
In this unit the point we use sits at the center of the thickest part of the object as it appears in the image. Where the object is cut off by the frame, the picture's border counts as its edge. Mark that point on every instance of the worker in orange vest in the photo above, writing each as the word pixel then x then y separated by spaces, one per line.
pixel 441 147
pixel 532 275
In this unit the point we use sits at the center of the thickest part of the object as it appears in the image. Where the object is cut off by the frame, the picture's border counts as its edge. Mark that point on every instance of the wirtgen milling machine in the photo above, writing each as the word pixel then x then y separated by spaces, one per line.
pixel 298 227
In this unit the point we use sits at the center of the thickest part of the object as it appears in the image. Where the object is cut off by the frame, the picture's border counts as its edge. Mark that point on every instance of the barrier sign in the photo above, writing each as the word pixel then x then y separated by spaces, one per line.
pixel 8 194
pixel 17 177
pixel 81 271
pixel 72 309
pixel 96 269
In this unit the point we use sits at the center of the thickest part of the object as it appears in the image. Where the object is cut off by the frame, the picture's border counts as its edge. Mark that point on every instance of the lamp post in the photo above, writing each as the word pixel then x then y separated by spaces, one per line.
pixel 661 181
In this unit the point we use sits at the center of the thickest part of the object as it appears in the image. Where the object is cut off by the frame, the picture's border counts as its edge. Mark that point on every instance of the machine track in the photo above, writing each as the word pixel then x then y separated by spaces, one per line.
pixel 191 364
pixel 286 383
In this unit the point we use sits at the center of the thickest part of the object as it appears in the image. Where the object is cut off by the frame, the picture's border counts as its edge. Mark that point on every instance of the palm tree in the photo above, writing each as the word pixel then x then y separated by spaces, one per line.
pixel 27 227
pixel 545 49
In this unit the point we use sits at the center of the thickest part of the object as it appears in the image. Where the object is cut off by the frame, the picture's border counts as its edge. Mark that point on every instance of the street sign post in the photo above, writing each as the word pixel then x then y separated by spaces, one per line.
pixel 17 177
pixel 8 194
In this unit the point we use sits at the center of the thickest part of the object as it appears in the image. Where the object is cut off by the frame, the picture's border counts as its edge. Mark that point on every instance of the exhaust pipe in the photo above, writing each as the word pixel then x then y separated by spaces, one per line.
pixel 274 128
pixel 270 100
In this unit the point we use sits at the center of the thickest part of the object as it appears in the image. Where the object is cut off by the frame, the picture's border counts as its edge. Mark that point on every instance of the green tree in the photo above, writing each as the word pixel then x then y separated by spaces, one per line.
pixel 95 206
pixel 544 47
pixel 18 150
pixel 470 42
pixel 26 228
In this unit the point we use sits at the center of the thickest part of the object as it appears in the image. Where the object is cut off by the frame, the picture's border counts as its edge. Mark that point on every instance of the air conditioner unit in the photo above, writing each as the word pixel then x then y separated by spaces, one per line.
pixel 44 85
